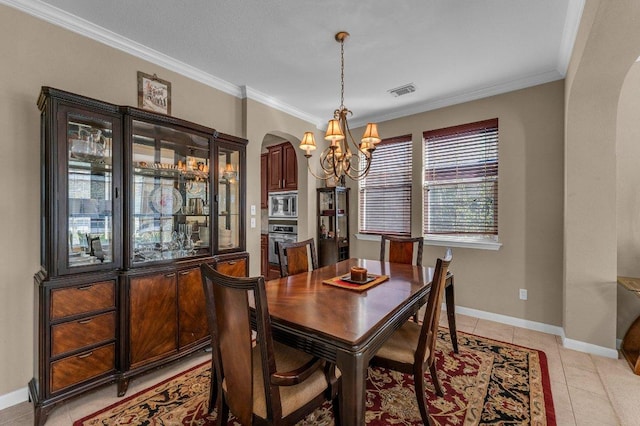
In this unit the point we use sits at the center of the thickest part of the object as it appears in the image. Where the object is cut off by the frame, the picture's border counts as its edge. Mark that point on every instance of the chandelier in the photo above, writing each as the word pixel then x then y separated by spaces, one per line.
pixel 343 157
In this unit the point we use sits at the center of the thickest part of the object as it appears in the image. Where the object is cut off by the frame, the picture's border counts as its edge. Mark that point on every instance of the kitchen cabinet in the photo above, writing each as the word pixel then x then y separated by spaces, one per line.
pixel 133 202
pixel 282 168
pixel 264 190
pixel 333 225
pixel 264 255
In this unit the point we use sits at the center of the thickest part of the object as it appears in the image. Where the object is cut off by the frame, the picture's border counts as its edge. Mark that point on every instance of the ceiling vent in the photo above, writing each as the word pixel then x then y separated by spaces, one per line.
pixel 403 90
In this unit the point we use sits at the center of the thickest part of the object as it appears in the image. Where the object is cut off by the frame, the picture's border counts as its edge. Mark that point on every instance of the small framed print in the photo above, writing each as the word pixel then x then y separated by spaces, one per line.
pixel 154 94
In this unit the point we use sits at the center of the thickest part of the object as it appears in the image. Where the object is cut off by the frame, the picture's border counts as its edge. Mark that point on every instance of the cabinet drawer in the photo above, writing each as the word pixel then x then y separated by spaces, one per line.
pixel 82 299
pixel 73 335
pixel 78 368
pixel 234 268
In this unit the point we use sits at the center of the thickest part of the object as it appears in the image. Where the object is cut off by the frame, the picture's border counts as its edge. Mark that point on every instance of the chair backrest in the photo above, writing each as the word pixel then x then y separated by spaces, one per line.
pixel 431 320
pixel 294 257
pixel 401 249
pixel 228 313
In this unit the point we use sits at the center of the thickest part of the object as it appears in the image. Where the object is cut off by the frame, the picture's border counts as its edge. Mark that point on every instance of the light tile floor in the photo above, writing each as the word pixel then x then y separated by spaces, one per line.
pixel 587 389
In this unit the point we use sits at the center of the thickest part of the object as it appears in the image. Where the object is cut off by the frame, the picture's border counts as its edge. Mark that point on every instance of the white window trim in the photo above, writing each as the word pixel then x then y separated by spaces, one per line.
pixel 460 242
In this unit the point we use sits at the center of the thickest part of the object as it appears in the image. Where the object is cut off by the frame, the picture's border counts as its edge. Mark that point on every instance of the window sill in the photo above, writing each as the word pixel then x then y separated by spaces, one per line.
pixel 446 242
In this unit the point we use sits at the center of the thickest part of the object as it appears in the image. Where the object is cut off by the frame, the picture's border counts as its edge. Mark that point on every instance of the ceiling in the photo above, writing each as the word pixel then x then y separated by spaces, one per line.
pixel 283 52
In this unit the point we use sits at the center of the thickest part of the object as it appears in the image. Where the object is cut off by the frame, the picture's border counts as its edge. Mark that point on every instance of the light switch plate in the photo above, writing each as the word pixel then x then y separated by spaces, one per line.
pixel 253 209
pixel 253 222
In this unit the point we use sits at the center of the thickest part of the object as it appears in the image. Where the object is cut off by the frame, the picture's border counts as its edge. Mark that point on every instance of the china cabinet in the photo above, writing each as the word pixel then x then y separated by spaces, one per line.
pixel 132 203
pixel 333 225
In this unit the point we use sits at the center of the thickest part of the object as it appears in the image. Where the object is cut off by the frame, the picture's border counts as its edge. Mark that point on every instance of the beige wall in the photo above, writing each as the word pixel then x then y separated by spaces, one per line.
pixel 530 200
pixel 262 121
pixel 628 196
pixel 532 162
pixel 607 48
pixel 36 54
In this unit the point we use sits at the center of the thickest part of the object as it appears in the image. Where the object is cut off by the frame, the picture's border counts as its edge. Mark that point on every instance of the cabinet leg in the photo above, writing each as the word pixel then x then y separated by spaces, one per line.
pixel 40 411
pixel 123 385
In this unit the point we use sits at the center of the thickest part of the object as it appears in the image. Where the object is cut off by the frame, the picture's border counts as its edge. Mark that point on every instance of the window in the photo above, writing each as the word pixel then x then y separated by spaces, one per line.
pixel 461 181
pixel 385 193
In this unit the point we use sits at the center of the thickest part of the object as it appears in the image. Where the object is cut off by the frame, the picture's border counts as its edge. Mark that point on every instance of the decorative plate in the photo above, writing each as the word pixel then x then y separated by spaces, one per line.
pixel 166 200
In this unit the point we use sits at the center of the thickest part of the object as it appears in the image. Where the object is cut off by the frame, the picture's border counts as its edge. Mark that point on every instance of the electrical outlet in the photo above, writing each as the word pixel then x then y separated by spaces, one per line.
pixel 523 294
pixel 253 222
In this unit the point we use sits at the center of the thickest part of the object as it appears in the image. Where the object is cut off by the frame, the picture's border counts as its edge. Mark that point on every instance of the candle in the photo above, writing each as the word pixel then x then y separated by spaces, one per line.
pixel 358 273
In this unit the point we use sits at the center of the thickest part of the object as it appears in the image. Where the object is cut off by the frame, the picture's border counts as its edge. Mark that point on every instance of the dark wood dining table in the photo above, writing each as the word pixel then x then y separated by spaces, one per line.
pixel 345 326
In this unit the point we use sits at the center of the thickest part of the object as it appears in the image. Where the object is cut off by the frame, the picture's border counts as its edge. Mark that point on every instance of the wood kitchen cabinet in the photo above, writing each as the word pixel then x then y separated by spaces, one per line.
pixel 133 202
pixel 264 190
pixel 264 255
pixel 282 168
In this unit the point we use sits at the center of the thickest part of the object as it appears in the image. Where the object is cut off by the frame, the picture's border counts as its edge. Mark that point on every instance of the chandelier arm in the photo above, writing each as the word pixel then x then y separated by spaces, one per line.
pixel 330 167
pixel 327 177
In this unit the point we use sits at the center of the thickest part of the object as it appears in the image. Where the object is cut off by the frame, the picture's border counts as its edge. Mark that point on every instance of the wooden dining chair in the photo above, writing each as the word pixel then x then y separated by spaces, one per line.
pixel 295 257
pixel 266 383
pixel 401 249
pixel 411 348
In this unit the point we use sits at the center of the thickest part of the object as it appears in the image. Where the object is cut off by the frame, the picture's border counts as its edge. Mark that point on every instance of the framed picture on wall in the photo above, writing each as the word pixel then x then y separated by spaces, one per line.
pixel 154 94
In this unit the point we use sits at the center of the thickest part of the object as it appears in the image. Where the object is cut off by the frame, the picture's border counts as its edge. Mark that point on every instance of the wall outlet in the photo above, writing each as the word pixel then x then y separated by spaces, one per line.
pixel 253 222
pixel 523 294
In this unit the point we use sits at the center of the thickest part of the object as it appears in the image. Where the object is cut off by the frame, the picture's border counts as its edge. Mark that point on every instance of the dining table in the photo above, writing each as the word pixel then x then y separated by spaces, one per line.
pixel 347 326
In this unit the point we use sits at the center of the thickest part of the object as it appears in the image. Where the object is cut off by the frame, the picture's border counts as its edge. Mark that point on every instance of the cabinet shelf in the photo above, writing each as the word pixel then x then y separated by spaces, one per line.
pixel 333 225
pixel 172 173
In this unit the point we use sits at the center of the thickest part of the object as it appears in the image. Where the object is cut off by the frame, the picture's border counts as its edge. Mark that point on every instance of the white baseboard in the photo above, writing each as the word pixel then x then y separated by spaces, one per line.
pixel 577 345
pixel 545 328
pixel 22 395
pixel 13 398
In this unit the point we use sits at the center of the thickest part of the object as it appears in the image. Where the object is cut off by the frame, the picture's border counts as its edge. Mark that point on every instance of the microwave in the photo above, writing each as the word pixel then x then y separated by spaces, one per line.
pixel 283 205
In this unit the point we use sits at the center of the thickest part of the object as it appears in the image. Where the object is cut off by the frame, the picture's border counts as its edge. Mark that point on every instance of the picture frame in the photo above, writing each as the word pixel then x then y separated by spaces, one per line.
pixel 154 94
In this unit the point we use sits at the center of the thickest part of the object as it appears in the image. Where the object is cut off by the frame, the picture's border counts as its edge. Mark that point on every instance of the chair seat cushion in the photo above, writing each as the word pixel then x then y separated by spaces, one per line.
pixel 291 397
pixel 402 344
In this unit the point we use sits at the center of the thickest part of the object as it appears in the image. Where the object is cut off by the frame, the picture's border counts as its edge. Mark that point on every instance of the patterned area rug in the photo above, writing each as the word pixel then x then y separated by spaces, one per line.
pixel 487 383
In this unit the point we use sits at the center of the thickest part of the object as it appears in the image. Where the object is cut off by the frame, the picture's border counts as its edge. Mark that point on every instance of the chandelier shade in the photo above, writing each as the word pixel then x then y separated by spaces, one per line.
pixel 343 157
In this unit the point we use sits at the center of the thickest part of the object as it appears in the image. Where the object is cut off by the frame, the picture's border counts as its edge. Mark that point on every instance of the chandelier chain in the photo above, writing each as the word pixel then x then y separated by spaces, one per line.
pixel 342 74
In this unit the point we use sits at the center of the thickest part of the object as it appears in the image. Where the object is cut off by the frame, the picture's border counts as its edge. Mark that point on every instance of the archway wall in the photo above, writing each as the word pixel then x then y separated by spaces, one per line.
pixel 628 195
pixel 259 122
pixel 606 48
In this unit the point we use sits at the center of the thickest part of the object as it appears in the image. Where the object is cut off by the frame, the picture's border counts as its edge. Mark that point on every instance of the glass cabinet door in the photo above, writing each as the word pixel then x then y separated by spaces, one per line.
pixel 229 202
pixel 170 193
pixel 90 188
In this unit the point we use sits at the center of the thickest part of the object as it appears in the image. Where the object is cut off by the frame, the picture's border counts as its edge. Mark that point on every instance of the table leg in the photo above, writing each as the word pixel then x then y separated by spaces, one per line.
pixel 352 393
pixel 451 312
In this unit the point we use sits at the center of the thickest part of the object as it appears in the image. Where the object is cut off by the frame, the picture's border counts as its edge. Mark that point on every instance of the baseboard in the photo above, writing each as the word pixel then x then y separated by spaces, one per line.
pixel 577 345
pixel 13 398
pixel 542 327
pixel 22 395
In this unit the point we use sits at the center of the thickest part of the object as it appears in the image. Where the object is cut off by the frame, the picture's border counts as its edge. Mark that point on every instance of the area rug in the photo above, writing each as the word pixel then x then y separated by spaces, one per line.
pixel 487 383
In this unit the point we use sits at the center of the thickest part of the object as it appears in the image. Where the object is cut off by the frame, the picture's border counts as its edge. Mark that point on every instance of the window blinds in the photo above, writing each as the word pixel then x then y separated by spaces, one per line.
pixel 461 180
pixel 385 193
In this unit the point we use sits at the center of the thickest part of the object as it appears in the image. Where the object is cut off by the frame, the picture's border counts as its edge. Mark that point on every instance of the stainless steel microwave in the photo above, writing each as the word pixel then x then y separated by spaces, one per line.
pixel 283 205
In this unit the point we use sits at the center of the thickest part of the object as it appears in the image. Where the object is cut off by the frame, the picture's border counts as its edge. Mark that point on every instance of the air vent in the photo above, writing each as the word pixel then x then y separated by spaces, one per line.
pixel 403 90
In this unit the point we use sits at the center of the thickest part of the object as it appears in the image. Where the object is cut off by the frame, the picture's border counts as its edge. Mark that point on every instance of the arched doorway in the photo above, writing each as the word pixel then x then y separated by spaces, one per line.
pixel 606 48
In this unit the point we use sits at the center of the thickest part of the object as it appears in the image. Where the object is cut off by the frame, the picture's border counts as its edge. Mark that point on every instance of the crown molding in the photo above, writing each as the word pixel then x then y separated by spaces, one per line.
pixel 471 95
pixel 249 93
pixel 85 28
pixel 569 34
